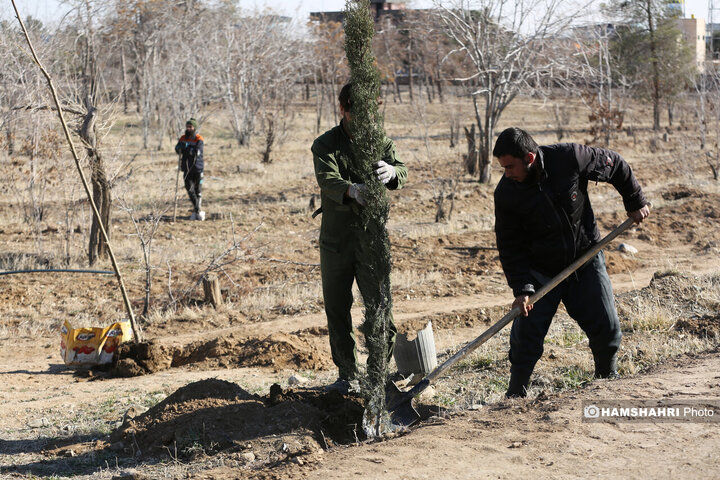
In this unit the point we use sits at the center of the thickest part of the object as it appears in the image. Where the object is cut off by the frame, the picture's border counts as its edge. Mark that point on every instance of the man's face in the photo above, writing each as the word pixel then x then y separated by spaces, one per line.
pixel 345 115
pixel 516 168
pixel 190 129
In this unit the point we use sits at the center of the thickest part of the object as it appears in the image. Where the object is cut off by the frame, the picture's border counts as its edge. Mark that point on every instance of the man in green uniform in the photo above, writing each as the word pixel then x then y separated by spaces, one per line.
pixel 342 198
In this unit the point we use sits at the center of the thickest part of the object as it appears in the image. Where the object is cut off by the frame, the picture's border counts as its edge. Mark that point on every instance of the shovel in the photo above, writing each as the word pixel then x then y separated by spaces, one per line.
pixel 399 404
pixel 177 181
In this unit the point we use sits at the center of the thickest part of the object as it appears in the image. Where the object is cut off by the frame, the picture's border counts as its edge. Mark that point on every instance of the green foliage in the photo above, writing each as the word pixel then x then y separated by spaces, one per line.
pixel 571 377
pixel 368 145
pixel 568 338
pixel 649 49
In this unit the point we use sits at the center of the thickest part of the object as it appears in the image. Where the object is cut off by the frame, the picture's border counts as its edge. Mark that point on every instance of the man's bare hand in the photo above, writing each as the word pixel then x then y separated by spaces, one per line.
pixel 523 303
pixel 640 215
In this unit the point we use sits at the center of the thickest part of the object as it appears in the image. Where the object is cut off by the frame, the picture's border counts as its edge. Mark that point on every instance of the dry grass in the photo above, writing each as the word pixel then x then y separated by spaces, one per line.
pixel 277 194
pixel 275 197
pixel 649 339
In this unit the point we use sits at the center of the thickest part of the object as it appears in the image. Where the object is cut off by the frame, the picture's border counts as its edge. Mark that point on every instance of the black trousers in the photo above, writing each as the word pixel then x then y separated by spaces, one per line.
pixel 193 185
pixel 588 299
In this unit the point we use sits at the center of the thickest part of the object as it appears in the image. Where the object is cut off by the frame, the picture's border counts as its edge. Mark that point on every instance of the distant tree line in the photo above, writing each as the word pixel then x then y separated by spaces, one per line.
pixel 166 61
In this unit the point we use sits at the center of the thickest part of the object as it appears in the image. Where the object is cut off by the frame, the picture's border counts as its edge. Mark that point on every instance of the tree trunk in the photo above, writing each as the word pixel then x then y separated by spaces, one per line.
pixel 211 287
pixel 97 248
pixel 655 69
pixel 438 84
pixel 485 159
pixel 470 159
pixel 124 92
pixel 269 141
pixel 397 90
pixel 485 135
pixel 10 136
pixel 148 279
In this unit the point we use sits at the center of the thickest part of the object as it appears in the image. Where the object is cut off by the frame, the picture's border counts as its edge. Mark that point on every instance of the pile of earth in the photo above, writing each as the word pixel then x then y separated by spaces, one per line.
pixel 616 262
pixel 693 299
pixel 278 350
pixel 701 326
pixel 468 317
pixel 680 221
pixel 213 416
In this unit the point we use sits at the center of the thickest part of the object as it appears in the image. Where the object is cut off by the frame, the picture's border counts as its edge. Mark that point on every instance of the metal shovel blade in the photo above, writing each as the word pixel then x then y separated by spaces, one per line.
pixel 400 407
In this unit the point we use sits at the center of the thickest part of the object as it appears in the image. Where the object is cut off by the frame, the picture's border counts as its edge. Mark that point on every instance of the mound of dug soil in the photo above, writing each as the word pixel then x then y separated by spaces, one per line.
pixel 694 299
pixel 470 317
pixel 278 350
pixel 703 326
pixel 211 416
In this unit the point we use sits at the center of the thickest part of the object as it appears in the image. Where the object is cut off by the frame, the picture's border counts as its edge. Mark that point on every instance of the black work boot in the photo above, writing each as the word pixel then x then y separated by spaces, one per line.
pixel 519 379
pixel 606 366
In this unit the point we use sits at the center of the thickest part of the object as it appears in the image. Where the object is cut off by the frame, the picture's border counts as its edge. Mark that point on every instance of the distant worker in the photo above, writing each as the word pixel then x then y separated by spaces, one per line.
pixel 543 222
pixel 190 149
pixel 342 199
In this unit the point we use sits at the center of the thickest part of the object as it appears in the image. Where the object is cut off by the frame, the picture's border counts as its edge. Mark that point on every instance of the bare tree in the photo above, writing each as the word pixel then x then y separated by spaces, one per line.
pixel 146 227
pixel 595 73
pixel 505 43
pixel 707 86
pixel 89 98
pixel 253 63
pixel 329 69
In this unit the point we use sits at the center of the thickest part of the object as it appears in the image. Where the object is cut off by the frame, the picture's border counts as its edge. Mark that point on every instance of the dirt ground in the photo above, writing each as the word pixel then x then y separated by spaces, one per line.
pixel 235 392
pixel 542 438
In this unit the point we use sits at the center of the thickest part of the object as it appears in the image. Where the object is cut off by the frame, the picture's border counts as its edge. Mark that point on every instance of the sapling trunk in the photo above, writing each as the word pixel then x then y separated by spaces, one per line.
pixel 368 144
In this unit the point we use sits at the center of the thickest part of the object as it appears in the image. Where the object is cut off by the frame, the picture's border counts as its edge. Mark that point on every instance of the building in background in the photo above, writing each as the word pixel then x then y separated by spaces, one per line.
pixel 713 29
pixel 693 30
pixel 379 8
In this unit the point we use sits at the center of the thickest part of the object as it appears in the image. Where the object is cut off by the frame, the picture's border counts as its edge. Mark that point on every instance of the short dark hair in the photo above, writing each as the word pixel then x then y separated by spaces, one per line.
pixel 344 97
pixel 515 142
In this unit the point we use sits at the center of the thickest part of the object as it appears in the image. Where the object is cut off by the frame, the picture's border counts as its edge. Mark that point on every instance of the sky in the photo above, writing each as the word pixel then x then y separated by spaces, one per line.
pixel 52 10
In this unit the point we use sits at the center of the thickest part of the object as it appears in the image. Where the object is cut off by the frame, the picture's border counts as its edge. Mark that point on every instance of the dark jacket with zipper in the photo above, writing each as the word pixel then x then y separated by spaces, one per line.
pixel 546 222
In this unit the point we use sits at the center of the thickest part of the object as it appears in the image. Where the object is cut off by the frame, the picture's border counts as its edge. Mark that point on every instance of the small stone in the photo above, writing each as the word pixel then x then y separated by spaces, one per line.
pixel 516 445
pixel 38 423
pixel 427 394
pixel 130 475
pixel 627 248
pixel 476 406
pixel 133 412
pixel 297 461
pixel 70 453
pixel 248 456
pixel 296 380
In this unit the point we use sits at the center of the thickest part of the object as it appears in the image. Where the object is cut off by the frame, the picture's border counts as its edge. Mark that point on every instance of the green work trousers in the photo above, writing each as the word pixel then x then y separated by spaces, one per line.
pixel 340 264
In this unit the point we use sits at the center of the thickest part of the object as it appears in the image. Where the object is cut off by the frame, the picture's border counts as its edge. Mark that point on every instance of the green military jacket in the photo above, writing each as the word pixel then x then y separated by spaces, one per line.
pixel 331 154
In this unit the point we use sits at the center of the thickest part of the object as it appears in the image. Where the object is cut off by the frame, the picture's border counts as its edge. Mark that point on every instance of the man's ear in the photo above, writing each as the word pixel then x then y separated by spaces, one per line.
pixel 529 158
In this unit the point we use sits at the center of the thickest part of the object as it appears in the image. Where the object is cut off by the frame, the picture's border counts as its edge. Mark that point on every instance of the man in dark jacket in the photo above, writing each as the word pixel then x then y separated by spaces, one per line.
pixel 543 222
pixel 342 198
pixel 190 149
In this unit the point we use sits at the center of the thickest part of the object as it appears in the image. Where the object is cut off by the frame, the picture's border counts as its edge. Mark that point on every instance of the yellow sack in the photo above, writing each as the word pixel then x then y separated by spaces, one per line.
pixel 92 345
